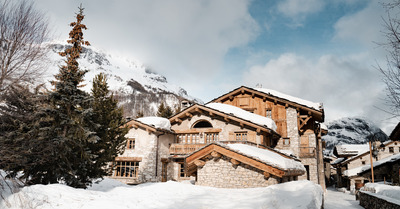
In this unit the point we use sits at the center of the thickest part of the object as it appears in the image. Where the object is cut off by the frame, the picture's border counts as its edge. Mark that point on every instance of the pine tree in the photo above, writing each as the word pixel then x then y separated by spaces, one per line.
pixel 70 107
pixel 164 111
pixel 161 110
pixel 108 123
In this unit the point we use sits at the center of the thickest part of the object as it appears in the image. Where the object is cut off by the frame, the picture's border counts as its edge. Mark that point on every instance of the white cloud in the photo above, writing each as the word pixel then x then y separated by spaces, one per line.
pixel 364 26
pixel 348 86
pixel 299 9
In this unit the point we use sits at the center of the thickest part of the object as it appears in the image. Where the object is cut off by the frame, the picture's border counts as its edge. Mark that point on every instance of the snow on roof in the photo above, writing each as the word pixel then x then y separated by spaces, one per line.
pixel 355 171
pixel 323 126
pixel 157 122
pixel 238 112
pixel 313 105
pixel 352 149
pixel 339 160
pixel 268 156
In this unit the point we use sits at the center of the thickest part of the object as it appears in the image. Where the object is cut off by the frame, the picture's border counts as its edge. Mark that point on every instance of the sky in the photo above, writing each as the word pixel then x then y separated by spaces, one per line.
pixel 319 50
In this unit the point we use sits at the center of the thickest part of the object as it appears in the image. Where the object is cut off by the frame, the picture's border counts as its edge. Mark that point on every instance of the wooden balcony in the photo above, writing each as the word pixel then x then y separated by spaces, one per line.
pixel 183 149
pixel 307 152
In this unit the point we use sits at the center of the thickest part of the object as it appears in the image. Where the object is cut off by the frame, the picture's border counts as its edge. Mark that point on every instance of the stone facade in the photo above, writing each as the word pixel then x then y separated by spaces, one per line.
pixel 223 174
pixel 150 148
pixel 292 132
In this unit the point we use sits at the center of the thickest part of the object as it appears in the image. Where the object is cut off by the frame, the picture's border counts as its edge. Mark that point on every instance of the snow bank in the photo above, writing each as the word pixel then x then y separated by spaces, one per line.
pixel 313 105
pixel 157 122
pixel 267 156
pixel 169 195
pixel 238 112
pixel 390 193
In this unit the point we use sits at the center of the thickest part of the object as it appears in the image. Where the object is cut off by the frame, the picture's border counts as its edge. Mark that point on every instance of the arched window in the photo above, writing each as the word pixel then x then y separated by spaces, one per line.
pixel 202 124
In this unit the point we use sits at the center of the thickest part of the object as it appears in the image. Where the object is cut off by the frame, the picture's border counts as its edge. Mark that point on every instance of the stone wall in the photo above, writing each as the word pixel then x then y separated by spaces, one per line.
pixel 292 132
pixel 373 201
pixel 223 174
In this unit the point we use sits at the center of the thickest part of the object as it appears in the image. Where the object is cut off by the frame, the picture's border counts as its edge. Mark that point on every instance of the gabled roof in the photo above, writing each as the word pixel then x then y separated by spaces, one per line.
pixel 148 127
pixel 197 108
pixel 363 151
pixel 363 169
pixel 315 108
pixel 267 160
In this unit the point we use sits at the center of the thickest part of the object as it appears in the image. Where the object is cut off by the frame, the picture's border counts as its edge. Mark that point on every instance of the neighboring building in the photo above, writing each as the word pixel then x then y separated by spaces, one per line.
pixel 353 157
pixel 259 120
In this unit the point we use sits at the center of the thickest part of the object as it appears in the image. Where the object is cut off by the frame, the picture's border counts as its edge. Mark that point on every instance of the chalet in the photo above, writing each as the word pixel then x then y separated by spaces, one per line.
pixel 298 124
pixel 219 140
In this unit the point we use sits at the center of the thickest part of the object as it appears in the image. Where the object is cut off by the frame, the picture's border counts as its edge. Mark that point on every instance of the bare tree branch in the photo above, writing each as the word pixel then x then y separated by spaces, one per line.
pixel 23 30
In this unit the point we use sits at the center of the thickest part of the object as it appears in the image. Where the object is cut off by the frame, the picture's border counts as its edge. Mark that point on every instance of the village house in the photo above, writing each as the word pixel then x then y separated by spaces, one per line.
pixel 354 162
pixel 245 138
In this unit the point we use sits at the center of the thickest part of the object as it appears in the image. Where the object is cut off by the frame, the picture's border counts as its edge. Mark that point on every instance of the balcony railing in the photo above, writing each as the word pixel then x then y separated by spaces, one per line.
pixel 307 152
pixel 182 149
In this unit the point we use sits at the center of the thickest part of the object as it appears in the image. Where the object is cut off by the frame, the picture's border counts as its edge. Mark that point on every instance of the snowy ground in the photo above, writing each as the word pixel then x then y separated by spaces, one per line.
pixel 112 194
pixel 339 200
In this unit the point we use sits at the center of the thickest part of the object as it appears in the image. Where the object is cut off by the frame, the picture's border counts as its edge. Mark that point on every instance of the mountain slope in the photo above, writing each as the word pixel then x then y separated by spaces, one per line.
pixel 350 130
pixel 135 86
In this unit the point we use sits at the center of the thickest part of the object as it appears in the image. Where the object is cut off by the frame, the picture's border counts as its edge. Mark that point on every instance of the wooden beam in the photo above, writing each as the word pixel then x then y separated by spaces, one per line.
pixel 189 115
pixel 258 130
pixel 231 97
pixel 235 162
pixel 199 163
pixel 226 119
pixel 266 174
pixel 215 154
pixel 252 95
pixel 211 114
pixel 178 120
pixel 264 99
pixel 242 91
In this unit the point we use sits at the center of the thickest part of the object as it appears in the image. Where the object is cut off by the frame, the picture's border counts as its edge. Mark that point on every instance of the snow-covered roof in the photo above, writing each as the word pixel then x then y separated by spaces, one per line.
pixel 157 122
pixel 323 126
pixel 313 105
pixel 238 112
pixel 351 149
pixel 339 160
pixel 267 156
pixel 355 171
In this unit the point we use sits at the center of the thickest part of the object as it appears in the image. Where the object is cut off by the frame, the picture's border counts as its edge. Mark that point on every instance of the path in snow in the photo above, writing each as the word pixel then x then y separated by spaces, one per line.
pixel 339 200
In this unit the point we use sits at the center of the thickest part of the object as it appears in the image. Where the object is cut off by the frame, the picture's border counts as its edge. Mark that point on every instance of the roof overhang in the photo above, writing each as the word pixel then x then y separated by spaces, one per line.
pixel 196 159
pixel 151 129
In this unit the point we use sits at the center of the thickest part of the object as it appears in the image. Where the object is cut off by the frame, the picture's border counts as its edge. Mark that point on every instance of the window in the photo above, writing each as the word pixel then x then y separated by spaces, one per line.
pixel 241 136
pixel 193 138
pixel 130 143
pixel 182 173
pixel 391 149
pixel 286 141
pixel 202 124
pixel 268 113
pixel 363 162
pixel 212 137
pixel 127 169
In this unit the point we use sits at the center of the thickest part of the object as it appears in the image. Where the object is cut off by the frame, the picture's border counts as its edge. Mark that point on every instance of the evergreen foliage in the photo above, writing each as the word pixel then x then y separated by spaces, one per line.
pixel 64 135
pixel 164 111
pixel 108 122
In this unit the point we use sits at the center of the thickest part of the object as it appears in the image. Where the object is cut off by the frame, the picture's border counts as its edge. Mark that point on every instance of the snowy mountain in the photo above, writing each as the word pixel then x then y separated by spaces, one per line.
pixel 135 86
pixel 350 130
